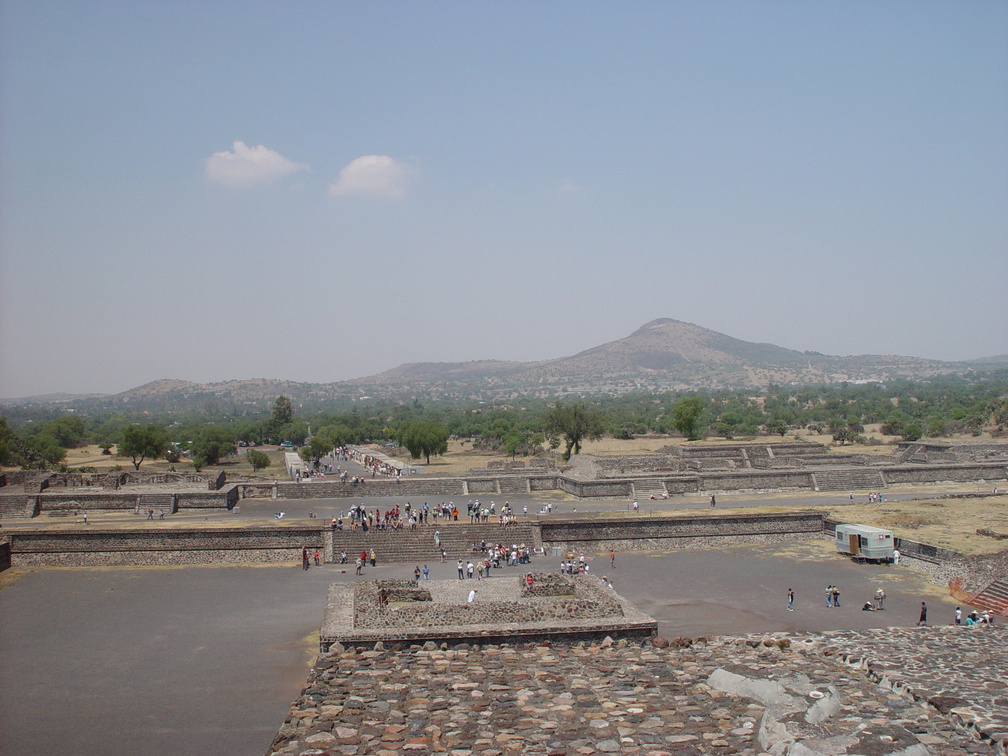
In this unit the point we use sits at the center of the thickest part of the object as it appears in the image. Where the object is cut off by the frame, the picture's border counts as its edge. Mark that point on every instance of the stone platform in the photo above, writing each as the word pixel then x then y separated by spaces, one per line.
pixel 506 609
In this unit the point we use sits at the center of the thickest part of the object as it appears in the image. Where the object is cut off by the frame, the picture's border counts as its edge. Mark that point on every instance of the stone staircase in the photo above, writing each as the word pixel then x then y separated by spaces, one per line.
pixel 907 454
pixel 645 488
pixel 418 547
pixel 847 480
pixel 16 508
pixel 159 502
pixel 994 598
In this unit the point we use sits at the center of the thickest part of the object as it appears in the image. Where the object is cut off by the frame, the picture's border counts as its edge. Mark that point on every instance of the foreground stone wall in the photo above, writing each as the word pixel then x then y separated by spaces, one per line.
pixel 777 693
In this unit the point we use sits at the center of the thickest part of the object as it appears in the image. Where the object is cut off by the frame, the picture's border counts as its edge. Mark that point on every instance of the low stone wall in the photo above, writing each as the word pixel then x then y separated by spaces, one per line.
pixel 776 480
pixel 84 502
pixel 481 485
pixel 911 474
pixel 597 489
pixel 679 532
pixel 545 483
pixel 216 500
pixel 5 556
pixel 255 490
pixel 416 485
pixel 161 546
pixel 372 613
pixel 144 478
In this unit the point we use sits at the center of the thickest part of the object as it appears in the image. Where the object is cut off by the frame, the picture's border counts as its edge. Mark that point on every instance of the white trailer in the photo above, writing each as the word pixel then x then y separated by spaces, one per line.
pixel 864 542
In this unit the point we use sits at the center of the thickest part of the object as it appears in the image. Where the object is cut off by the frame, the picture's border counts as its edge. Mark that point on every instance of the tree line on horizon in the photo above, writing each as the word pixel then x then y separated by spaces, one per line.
pixel 905 409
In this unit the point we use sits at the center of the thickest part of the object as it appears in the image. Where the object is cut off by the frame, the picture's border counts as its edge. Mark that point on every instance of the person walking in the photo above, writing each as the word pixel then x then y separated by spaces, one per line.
pixel 460 568
pixel 922 620
pixel 416 574
pixel 790 599
pixel 612 559
pixel 958 615
pixel 426 573
pixel 829 596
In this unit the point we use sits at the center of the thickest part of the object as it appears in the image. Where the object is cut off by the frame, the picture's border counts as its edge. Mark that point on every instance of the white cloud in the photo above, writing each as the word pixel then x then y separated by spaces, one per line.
pixel 568 188
pixel 377 176
pixel 250 166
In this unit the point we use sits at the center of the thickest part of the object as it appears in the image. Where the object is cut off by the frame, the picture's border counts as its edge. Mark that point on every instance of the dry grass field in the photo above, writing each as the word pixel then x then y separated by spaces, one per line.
pixel 952 523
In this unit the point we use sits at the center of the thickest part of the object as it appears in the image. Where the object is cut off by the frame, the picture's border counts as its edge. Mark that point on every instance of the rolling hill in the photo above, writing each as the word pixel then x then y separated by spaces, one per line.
pixel 661 355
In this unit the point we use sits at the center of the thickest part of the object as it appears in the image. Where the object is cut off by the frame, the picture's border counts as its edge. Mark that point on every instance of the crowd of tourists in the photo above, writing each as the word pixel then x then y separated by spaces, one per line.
pixel 413 516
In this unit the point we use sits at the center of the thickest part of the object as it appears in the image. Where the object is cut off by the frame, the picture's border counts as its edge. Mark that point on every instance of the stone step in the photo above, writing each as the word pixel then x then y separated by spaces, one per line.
pixel 15 508
pixel 404 545
pixel 847 480
pixel 159 502
pixel 645 489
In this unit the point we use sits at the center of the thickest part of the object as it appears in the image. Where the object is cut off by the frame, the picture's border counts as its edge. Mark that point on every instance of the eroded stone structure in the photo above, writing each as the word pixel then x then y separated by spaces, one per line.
pixel 553 607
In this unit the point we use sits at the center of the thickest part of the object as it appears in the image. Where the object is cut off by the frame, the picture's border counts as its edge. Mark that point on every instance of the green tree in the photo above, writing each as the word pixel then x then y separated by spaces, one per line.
pixel 38 451
pixel 282 417
pixel 259 460
pixel 320 445
pixel 212 444
pixel 283 411
pixel 575 422
pixel 686 415
pixel 6 443
pixel 777 426
pixel 513 441
pixel 296 431
pixel 68 431
pixel 424 438
pixel 140 442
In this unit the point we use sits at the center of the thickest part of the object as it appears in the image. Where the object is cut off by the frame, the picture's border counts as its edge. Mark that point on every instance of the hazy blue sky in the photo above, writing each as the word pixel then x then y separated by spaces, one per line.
pixel 324 190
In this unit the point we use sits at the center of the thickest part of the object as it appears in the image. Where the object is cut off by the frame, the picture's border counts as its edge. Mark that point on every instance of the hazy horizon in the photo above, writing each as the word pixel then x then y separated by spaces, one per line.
pixel 322 192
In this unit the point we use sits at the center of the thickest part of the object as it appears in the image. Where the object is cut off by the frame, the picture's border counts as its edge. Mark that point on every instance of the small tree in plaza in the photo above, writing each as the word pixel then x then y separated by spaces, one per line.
pixel 140 442
pixel 422 439
pixel 575 422
pixel 257 459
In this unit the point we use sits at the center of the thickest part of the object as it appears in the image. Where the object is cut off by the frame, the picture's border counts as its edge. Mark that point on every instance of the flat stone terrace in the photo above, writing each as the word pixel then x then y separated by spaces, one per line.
pixel 780 693
pixel 505 609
